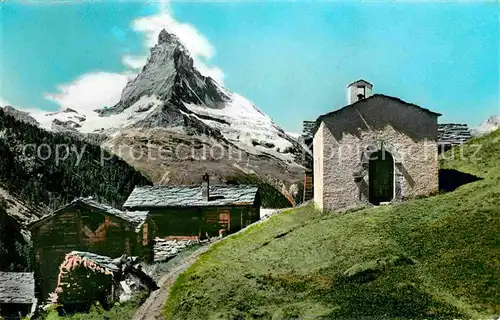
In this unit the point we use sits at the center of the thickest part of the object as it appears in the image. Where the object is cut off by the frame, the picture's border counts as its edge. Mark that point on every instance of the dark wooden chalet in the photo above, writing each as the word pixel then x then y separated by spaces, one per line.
pixel 194 212
pixel 86 225
pixel 17 294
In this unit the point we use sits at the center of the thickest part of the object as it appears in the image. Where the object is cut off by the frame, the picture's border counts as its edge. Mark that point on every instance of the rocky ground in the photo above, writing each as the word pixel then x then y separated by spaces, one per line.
pixel 152 308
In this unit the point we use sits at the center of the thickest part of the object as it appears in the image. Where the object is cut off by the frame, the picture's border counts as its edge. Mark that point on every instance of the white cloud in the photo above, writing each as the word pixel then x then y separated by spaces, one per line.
pixel 31 110
pixel 134 62
pixel 90 91
pixel 4 102
pixel 198 46
pixel 212 72
pixel 196 43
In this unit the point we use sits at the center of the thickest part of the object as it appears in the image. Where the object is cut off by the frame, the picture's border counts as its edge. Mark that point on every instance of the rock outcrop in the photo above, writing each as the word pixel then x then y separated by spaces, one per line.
pixel 20 115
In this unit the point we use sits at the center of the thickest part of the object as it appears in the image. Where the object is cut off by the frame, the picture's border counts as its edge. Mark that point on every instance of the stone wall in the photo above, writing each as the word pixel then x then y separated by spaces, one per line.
pixel 318 155
pixel 346 139
pixel 165 249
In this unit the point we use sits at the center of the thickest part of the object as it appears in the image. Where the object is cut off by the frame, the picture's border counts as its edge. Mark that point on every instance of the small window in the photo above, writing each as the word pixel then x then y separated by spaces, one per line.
pixel 145 235
pixel 224 218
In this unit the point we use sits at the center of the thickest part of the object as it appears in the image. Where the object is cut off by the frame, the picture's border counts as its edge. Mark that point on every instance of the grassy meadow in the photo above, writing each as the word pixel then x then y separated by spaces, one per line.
pixel 430 258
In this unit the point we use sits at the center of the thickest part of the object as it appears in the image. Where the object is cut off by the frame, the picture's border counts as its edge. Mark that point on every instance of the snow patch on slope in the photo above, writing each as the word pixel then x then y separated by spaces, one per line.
pixel 70 117
pixel 92 122
pixel 294 135
pixel 248 127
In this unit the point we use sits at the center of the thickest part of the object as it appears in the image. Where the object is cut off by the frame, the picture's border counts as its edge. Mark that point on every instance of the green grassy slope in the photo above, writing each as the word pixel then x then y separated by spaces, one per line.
pixel 119 311
pixel 480 157
pixel 428 258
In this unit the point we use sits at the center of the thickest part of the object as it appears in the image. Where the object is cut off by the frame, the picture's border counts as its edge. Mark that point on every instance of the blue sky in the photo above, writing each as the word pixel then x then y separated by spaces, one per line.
pixel 292 59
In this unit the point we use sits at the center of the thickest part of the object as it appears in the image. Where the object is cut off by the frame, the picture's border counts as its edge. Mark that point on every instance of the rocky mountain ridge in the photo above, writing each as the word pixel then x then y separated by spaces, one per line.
pixel 20 115
pixel 171 105
pixel 186 99
pixel 41 170
pixel 489 125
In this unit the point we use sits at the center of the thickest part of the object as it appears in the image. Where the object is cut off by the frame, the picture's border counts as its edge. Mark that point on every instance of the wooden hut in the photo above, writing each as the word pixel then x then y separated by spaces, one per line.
pixel 83 278
pixel 86 225
pixel 86 277
pixel 193 212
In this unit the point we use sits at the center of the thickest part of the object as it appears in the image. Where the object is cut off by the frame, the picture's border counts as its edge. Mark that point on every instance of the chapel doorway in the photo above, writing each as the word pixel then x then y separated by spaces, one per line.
pixel 381 177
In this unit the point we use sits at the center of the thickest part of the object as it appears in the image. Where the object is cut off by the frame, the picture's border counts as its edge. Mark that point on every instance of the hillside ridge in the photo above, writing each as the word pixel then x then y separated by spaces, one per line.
pixel 430 258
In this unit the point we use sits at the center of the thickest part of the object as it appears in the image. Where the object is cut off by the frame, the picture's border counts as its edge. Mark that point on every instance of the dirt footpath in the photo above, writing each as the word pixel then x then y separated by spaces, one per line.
pixel 152 308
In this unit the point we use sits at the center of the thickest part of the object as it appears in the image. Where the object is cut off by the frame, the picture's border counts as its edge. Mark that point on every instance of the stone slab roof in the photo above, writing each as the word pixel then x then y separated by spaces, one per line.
pixel 308 128
pixel 102 261
pixel 360 81
pixel 453 134
pixel 17 287
pixel 190 196
pixel 135 218
pixel 378 95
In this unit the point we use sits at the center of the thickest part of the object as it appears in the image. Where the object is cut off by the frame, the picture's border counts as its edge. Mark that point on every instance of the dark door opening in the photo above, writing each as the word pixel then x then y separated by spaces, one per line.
pixel 381 177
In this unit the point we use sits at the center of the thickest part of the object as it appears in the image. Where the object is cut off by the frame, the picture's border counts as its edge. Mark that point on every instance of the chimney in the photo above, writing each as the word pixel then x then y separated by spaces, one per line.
pixel 205 187
pixel 358 90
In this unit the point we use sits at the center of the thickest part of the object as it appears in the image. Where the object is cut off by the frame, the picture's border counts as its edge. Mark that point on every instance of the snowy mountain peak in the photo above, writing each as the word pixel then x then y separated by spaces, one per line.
pixel 169 73
pixel 69 110
pixel 495 120
pixel 170 93
pixel 166 37
pixel 491 124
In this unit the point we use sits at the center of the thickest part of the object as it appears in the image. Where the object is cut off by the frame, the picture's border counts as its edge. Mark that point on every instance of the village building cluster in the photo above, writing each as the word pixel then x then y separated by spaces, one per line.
pixel 375 150
pixel 78 241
